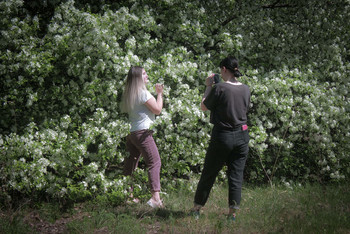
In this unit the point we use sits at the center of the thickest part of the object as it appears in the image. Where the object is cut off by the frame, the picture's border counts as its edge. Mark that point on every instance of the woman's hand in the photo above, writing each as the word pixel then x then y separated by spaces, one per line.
pixel 156 105
pixel 159 88
pixel 209 81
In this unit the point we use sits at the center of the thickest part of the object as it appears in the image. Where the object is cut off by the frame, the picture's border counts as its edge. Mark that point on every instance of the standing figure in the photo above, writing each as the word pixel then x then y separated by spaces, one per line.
pixel 142 107
pixel 229 103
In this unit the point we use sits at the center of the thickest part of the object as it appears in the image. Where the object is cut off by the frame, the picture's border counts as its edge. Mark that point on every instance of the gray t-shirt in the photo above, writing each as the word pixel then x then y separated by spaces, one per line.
pixel 141 117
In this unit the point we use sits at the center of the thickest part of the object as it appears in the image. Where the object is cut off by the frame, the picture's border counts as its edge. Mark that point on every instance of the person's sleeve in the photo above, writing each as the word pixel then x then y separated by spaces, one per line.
pixel 145 96
pixel 210 100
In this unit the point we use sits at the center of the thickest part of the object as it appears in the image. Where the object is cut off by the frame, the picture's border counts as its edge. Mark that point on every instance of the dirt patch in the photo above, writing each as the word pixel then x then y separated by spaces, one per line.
pixel 41 225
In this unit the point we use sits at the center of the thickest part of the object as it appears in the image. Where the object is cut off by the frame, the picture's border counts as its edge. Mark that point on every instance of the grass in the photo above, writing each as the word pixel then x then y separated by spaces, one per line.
pixel 300 209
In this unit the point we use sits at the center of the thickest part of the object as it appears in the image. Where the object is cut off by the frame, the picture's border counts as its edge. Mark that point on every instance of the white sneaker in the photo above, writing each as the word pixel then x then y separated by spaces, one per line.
pixel 155 204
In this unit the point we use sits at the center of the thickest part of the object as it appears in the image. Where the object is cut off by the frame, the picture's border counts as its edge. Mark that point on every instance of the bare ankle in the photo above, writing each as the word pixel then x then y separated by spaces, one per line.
pixel 155 196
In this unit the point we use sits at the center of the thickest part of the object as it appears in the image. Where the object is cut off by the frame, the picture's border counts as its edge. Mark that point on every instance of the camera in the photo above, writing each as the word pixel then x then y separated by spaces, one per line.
pixel 216 78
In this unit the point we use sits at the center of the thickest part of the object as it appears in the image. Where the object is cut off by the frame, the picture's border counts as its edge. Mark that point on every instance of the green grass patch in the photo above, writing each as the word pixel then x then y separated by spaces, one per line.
pixel 298 209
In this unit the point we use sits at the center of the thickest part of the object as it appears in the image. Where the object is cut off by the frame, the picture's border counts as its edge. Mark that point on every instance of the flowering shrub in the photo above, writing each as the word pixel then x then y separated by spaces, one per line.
pixel 62 133
pixel 297 120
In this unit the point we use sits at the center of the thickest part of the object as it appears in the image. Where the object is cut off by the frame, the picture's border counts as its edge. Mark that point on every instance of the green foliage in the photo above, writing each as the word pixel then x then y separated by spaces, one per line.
pixel 62 74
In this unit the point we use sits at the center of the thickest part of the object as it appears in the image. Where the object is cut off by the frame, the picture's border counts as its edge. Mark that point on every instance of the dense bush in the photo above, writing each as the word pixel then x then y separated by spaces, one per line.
pixel 62 134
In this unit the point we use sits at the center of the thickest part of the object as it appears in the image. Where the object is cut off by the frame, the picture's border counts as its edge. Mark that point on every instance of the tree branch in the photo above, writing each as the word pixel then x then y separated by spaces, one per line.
pixel 276 5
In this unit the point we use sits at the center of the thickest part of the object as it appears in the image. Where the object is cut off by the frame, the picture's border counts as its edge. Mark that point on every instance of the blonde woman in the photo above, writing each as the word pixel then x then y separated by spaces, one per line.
pixel 142 107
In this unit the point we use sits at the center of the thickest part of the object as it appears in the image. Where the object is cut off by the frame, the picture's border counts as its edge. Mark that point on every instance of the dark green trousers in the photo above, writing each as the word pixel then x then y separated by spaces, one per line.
pixel 226 147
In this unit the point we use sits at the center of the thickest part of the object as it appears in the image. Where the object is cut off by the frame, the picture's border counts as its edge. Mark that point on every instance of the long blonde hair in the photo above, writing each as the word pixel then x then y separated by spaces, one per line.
pixel 133 87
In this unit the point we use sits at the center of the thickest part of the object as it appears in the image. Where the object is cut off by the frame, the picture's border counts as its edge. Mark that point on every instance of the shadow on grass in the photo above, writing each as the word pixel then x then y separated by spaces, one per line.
pixel 168 213
pixel 141 212
pixel 163 214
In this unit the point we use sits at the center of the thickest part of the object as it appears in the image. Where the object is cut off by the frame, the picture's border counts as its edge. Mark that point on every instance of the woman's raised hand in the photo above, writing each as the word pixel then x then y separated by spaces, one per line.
pixel 159 88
